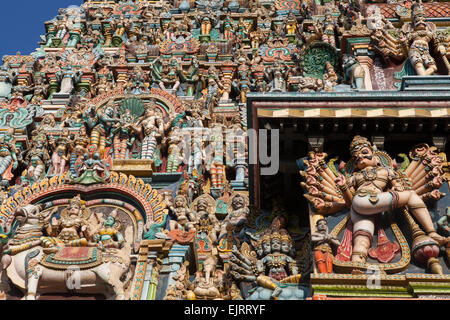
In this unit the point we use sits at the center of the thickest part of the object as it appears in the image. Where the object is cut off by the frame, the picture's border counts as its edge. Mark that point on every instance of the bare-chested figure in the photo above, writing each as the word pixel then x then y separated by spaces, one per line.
pixel 152 126
pixel 366 193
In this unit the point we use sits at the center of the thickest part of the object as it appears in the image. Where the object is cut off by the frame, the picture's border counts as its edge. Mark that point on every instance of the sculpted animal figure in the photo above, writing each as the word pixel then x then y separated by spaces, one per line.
pixel 23 261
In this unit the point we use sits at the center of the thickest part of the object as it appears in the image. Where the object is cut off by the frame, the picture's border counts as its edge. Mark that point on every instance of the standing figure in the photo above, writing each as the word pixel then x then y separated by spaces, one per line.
pixel 102 121
pixel 418 36
pixel 152 127
pixel 175 158
pixel 217 167
pixel 8 157
pixel 278 75
pixel 329 29
pixel 323 242
pixel 330 78
pixel 79 149
pixel 367 193
pixel 123 135
pixel 37 159
pixel 61 149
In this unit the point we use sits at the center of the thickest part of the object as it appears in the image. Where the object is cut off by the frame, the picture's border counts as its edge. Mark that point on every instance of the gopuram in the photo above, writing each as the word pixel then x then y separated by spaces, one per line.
pixel 228 150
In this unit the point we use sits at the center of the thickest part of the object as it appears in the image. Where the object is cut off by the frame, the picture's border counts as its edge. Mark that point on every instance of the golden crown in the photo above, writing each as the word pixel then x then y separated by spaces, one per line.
pixel 275 236
pixel 266 238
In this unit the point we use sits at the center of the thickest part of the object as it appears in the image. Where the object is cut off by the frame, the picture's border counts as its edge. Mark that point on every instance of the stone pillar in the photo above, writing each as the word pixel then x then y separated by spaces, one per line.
pixel 148 275
pixel 366 63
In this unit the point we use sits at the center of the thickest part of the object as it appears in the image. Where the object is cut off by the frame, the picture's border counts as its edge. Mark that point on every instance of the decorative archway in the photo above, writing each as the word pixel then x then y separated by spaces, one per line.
pixel 134 198
pixel 166 102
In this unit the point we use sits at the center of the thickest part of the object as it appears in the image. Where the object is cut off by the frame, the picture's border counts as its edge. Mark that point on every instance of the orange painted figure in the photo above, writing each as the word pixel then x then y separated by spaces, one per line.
pixel 323 241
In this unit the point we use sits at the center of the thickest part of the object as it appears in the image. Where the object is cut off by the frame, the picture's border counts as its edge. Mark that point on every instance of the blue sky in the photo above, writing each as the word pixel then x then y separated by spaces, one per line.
pixel 22 22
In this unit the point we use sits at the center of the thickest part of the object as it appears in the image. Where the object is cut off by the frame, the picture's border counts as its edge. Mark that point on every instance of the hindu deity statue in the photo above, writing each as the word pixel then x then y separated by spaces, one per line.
pixel 40 91
pixel 71 230
pixel 8 157
pixel 237 216
pixel 103 86
pixel 37 160
pixel 323 247
pixel 6 82
pixel 278 75
pixel 123 135
pixel 418 37
pixel 207 21
pixel 217 167
pixel 204 211
pixel 209 283
pixel 228 28
pixel 90 169
pixel 330 78
pixel 168 74
pixel 151 126
pixel 272 265
pixel 109 235
pixel 278 263
pixel 175 157
pixel 101 121
pixel 61 150
pixel 261 11
pixel 376 20
pixel 80 143
pixel 329 29
pixel 186 220
pixel 213 93
pixel 68 79
pixel 290 23
pixel 353 72
pixel 137 81
pixel 193 79
pixel 373 189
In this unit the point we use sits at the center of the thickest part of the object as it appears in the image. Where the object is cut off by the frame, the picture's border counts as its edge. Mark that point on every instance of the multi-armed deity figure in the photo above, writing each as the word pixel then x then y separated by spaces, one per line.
pixel 271 266
pixel 373 189
pixel 419 41
pixel 419 37
pixel 370 187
